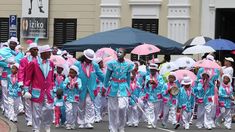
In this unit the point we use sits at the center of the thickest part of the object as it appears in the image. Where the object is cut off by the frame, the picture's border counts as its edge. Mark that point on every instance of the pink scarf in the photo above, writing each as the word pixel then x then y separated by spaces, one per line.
pixel 84 66
pixel 13 78
pixel 205 86
pixel 73 82
pixel 59 78
pixel 133 85
pixel 188 91
pixel 227 88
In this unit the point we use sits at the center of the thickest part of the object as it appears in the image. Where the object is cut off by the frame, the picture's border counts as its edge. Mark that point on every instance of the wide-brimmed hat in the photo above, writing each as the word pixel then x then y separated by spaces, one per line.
pixel 32 45
pixel 98 60
pixel 187 81
pixel 229 59
pixel 44 48
pixel 89 54
pixel 13 39
pixel 75 68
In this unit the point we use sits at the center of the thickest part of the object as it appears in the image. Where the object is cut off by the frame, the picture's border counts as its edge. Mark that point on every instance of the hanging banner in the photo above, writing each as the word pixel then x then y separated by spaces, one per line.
pixel 34 22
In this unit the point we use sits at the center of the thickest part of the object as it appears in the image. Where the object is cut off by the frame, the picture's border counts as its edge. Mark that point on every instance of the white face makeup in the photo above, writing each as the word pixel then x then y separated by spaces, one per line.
pixel 120 53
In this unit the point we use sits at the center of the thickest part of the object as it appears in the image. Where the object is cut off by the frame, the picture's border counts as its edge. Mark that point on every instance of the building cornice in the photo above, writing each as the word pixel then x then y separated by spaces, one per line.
pixel 145 2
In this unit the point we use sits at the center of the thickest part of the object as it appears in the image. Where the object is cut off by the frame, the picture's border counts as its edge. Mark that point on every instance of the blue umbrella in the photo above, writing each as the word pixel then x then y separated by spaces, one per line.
pixel 126 38
pixel 221 44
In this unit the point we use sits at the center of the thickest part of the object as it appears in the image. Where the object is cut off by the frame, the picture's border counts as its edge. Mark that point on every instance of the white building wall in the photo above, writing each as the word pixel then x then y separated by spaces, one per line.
pixel 110 15
pixel 178 20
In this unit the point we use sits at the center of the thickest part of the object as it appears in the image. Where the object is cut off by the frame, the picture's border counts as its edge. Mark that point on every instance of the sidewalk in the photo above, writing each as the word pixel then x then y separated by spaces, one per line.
pixel 7 126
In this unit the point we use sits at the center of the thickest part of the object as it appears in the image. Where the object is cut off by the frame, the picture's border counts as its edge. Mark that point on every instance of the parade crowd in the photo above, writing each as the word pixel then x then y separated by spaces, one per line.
pixel 80 94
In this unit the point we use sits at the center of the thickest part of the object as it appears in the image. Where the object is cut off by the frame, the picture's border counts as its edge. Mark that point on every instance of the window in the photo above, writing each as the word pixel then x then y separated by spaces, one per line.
pixel 4 29
pixel 150 25
pixel 65 30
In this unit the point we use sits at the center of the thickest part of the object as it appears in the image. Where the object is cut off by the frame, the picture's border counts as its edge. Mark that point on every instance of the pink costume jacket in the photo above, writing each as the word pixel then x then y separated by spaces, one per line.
pixel 41 84
pixel 22 69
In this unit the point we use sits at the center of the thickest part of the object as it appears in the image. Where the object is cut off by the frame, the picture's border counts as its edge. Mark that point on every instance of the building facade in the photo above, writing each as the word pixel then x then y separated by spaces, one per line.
pixel 176 19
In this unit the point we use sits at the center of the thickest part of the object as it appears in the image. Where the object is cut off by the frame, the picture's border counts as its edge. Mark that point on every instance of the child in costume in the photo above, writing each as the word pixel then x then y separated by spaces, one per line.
pixel 135 88
pixel 72 87
pixel 205 93
pixel 59 107
pixel 170 100
pixel 153 90
pixel 186 102
pixel 14 93
pixel 225 98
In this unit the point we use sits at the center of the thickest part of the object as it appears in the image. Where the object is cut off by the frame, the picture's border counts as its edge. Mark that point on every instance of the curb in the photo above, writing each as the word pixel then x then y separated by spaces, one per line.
pixel 13 127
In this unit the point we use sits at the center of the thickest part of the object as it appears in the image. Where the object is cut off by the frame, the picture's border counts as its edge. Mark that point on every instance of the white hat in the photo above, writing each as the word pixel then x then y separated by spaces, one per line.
pixel 44 48
pixel 227 75
pixel 153 66
pixel 89 54
pixel 16 65
pixel 229 59
pixel 5 44
pixel 98 60
pixel 210 57
pixel 75 68
pixel 14 39
pixel 186 81
pixel 33 45
pixel 64 52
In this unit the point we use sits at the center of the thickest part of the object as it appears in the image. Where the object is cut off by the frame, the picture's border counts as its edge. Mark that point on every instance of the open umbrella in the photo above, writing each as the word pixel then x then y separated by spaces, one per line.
pixel 199 40
pixel 105 52
pixel 168 67
pixel 57 60
pixel 145 49
pixel 198 49
pixel 185 62
pixel 180 74
pixel 207 64
pixel 221 44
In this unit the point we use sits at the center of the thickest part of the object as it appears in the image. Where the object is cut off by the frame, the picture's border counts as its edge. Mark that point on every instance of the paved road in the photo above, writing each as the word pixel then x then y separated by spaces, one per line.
pixel 103 127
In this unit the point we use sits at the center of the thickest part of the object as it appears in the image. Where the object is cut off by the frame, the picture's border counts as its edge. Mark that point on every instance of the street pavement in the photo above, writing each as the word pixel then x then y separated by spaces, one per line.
pixel 103 127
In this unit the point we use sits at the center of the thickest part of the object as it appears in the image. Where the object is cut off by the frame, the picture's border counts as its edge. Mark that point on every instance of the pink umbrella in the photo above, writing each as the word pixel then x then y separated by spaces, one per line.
pixel 105 52
pixel 180 74
pixel 145 49
pixel 57 60
pixel 207 64
pixel 71 61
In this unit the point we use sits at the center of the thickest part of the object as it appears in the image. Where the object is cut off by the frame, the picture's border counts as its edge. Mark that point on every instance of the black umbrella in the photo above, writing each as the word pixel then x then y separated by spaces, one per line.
pixel 199 40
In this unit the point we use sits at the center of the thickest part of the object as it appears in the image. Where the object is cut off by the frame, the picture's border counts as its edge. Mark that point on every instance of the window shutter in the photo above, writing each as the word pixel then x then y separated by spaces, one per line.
pixel 150 25
pixel 4 26
pixel 65 30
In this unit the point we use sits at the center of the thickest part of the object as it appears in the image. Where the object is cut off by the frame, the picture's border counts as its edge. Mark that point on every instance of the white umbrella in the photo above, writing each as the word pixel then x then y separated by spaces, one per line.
pixel 168 67
pixel 186 62
pixel 198 49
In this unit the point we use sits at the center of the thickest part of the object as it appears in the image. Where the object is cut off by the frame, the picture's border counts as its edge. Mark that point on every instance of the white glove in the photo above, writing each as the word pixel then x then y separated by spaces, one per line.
pixel 27 95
